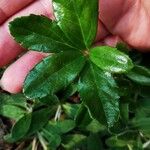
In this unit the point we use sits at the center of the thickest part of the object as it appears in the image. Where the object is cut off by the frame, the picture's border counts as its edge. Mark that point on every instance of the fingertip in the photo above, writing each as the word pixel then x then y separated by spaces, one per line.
pixel 112 40
pixel 14 76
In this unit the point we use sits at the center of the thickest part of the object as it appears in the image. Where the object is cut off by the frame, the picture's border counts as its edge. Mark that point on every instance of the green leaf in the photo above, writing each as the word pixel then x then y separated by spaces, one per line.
pixel 75 27
pixel 12 106
pixel 94 142
pixel 110 59
pixel 53 140
pixel 143 124
pixel 140 75
pixel 53 74
pixel 39 119
pixel 82 117
pixel 71 110
pixel 60 127
pixel 85 123
pixel 65 126
pixel 78 20
pixel 123 140
pixel 124 112
pixel 54 129
pixel 40 34
pixel 70 142
pixel 11 111
pixel 99 93
pixel 21 127
pixel 17 100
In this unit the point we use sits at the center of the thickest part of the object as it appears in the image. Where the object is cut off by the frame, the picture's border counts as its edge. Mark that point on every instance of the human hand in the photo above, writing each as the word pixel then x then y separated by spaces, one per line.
pixel 128 20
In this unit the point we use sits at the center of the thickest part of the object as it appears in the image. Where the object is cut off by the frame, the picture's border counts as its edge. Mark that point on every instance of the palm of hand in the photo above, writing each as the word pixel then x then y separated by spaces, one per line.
pixel 127 19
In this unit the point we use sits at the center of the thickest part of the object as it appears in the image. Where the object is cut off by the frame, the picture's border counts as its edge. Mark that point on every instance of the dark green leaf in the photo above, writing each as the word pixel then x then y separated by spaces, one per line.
pixel 140 75
pixel 125 139
pixel 123 47
pixel 143 124
pixel 94 142
pixel 85 123
pixel 124 112
pixel 19 130
pixel 78 20
pixel 40 34
pixel 53 74
pixel 110 59
pixel 99 93
pixel 39 119
pixel 82 117
pixel 21 127
pixel 50 100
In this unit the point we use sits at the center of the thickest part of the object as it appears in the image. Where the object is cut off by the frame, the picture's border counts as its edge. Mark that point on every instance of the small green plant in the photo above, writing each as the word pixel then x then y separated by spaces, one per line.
pixel 111 85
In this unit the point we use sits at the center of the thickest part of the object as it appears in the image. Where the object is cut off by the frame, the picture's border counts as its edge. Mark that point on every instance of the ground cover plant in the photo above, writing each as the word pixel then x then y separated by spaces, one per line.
pixel 81 96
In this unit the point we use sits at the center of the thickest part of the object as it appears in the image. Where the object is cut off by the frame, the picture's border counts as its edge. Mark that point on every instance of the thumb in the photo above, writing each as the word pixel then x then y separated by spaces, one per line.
pixel 112 11
pixel 129 19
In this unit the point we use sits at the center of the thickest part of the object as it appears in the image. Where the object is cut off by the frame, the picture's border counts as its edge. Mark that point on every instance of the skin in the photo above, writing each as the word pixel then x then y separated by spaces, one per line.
pixel 126 20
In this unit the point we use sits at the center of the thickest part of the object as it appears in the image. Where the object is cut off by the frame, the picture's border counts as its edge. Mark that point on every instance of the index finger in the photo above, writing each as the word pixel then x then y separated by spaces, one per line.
pixel 10 7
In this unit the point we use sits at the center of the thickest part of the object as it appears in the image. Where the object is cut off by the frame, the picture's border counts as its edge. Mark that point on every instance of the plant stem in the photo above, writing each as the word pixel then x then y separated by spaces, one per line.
pixel 58 113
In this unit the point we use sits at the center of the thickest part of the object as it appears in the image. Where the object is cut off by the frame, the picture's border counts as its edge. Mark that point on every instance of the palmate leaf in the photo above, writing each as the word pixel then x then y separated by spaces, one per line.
pixel 98 92
pixel 73 31
pixel 78 20
pixel 53 74
pixel 75 27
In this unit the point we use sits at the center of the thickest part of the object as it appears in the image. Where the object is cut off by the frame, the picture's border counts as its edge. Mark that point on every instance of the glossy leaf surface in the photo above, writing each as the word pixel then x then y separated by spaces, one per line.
pixel 53 74
pixel 98 92
pixel 110 59
pixel 78 20
pixel 40 34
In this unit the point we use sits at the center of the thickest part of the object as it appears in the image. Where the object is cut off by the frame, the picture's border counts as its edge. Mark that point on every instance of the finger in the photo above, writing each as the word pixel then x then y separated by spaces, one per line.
pixel 9 49
pixel 112 11
pixel 10 7
pixel 14 76
pixel 102 32
pixel 112 40
pixel 129 19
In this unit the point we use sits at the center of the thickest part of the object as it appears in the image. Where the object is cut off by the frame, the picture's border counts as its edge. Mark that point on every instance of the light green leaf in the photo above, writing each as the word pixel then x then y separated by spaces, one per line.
pixel 78 20
pixel 72 141
pixel 99 93
pixel 53 74
pixel 11 111
pixel 60 127
pixel 110 59
pixel 71 110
